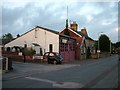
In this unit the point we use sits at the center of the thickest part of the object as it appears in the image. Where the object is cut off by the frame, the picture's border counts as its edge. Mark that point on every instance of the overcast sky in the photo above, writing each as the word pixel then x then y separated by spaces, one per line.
pixel 21 16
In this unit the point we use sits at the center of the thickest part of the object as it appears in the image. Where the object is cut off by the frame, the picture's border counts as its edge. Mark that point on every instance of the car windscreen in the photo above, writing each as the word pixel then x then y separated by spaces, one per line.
pixel 57 54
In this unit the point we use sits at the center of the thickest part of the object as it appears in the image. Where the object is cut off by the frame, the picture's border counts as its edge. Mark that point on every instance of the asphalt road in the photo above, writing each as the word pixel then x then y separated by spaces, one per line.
pixel 102 73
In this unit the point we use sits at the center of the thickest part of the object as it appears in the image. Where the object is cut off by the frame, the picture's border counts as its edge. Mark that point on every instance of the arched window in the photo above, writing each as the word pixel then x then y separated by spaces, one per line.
pixel 8 49
pixel 25 45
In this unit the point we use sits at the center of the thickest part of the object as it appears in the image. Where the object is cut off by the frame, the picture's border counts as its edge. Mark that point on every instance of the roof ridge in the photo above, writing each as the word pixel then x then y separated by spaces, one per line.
pixel 82 34
pixel 48 29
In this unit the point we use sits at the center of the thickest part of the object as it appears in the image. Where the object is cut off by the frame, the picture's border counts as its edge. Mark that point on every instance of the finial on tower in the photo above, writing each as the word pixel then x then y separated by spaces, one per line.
pixel 66 23
pixel 67 18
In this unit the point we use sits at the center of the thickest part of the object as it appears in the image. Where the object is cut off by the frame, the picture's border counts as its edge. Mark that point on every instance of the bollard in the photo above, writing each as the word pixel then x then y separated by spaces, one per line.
pixel 6 63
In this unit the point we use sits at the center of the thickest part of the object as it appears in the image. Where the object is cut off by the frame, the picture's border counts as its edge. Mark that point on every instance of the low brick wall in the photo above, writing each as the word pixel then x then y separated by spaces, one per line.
pixel 94 56
pixel 101 55
pixel 104 54
pixel 29 59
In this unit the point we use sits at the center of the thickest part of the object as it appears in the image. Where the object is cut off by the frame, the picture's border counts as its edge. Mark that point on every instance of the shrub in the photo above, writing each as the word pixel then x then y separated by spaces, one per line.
pixel 30 51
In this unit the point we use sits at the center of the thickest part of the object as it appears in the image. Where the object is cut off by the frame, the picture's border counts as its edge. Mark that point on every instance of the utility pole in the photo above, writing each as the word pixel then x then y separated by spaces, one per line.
pixel 110 44
pixel 24 52
pixel 110 47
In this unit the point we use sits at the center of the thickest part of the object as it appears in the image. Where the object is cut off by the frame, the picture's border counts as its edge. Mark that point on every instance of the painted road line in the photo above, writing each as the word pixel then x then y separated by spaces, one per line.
pixel 68 85
pixel 58 84
pixel 39 79
pixel 29 73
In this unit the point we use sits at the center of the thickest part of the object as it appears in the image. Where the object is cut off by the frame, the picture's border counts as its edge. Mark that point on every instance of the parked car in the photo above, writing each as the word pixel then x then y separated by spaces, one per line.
pixel 53 57
pixel 114 52
pixel 3 58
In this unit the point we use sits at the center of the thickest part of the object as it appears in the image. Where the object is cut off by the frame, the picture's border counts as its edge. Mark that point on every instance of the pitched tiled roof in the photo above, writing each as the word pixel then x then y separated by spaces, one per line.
pixel 55 32
pixel 63 35
pixel 87 37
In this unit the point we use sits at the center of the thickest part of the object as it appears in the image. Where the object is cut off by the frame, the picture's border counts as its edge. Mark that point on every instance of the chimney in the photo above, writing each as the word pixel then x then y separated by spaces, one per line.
pixel 74 26
pixel 84 31
pixel 18 35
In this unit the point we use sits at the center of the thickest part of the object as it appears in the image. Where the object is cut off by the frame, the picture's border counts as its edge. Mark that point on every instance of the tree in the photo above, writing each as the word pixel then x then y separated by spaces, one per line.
pixel 117 44
pixel 104 43
pixel 7 36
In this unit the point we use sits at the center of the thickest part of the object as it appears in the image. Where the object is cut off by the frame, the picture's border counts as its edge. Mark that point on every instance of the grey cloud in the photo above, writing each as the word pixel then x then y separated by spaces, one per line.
pixel 109 14
pixel 33 15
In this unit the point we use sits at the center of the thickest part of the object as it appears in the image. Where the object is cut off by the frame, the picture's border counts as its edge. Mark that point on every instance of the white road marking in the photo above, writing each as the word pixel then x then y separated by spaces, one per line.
pixel 68 85
pixel 35 70
pixel 60 85
pixel 42 80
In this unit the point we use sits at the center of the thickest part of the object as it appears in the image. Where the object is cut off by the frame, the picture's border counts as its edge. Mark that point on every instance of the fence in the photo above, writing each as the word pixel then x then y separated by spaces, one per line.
pixel 102 55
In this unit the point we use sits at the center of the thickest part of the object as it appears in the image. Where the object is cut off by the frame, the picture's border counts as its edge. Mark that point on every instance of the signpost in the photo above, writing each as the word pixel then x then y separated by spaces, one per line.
pixel 98 51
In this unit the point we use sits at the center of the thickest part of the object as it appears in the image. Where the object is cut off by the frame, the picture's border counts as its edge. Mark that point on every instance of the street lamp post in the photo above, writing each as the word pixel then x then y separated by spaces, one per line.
pixel 110 47
pixel 98 45
pixel 24 51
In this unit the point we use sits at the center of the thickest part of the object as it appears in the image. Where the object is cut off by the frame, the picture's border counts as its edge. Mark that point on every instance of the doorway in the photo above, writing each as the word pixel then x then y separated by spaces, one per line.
pixel 50 47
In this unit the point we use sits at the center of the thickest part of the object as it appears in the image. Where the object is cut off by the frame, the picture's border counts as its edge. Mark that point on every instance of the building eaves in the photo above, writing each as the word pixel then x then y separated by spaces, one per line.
pixel 33 29
pixel 63 35
pixel 87 37
pixel 53 31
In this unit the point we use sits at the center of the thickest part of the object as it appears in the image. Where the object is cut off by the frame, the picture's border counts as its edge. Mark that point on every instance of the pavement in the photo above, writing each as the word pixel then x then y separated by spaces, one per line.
pixel 3 71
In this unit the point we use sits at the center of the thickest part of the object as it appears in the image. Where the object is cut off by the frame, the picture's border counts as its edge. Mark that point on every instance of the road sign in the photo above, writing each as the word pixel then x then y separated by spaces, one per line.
pixel 98 51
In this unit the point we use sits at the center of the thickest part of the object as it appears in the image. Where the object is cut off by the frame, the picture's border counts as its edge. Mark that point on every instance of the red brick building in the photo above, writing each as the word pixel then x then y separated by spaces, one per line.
pixel 82 40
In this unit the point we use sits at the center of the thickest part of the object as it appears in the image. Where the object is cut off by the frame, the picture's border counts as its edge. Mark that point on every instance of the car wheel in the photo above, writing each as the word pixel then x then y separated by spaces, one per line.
pixel 54 62
pixel 48 62
pixel 60 62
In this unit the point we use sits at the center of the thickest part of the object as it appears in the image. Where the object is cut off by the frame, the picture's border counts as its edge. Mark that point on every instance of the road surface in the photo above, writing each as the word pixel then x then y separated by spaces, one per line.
pixel 103 73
